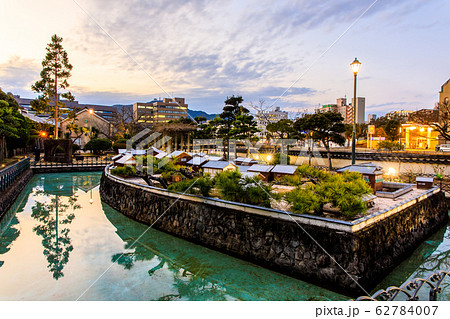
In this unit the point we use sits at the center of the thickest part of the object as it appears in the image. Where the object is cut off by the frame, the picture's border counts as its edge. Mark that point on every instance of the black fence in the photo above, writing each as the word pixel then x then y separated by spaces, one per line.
pixel 76 162
pixel 11 173
pixel 409 291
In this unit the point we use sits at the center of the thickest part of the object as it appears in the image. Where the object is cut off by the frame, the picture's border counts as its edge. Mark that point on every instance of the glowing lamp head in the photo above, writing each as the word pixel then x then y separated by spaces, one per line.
pixel 391 171
pixel 91 201
pixel 356 65
pixel 269 158
pixel 43 134
pixel 91 111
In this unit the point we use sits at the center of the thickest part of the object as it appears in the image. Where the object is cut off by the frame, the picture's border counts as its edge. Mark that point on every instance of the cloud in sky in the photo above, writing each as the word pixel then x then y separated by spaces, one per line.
pixel 208 50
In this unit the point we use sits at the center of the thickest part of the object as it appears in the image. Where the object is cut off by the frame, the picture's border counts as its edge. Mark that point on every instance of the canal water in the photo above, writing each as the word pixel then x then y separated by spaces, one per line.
pixel 60 242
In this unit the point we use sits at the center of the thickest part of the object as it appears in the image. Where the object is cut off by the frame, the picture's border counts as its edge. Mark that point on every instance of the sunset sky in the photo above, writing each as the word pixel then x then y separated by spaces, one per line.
pixel 208 50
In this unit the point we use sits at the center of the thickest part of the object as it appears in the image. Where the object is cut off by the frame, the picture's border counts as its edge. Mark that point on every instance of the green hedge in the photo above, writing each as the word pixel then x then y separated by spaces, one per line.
pixel 126 171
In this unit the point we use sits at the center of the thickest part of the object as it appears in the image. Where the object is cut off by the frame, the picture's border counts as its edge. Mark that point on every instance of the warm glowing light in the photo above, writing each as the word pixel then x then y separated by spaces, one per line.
pixel 91 111
pixel 422 129
pixel 269 157
pixel 391 171
pixel 356 65
pixel 3 165
pixel 412 128
pixel 43 134
pixel 91 201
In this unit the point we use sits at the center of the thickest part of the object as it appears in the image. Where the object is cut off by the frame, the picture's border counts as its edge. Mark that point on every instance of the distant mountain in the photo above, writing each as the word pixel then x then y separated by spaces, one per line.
pixel 194 114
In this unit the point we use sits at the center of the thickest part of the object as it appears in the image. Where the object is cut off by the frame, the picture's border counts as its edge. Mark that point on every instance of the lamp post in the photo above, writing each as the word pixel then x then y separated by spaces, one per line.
pixel 356 65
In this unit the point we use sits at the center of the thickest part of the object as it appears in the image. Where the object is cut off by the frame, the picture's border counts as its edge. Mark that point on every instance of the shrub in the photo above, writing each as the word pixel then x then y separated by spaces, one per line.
pixel 234 188
pixel 125 171
pixel 390 146
pixel 199 186
pixel 120 143
pixel 344 191
pixel 98 145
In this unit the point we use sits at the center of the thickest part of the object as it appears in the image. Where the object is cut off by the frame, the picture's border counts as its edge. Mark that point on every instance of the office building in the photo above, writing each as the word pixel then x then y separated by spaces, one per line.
pixel 347 110
pixel 160 111
pixel 263 118
pixel 107 112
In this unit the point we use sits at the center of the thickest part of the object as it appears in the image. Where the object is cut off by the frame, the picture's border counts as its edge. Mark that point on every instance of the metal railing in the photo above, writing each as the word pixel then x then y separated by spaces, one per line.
pixel 84 162
pixel 11 173
pixel 410 289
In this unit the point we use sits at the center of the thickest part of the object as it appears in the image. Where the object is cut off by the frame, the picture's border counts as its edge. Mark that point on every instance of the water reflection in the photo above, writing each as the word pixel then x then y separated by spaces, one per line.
pixel 55 227
pixel 55 212
pixel 198 273
pixel 9 224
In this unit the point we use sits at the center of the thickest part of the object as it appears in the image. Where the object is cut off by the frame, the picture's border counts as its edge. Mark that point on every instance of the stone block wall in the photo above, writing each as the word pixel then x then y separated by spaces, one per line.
pixel 305 251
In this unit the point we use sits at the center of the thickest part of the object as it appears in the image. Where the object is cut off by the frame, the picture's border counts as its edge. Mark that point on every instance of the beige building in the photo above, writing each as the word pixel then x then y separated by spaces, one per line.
pixel 444 93
pixel 86 122
pixel 160 111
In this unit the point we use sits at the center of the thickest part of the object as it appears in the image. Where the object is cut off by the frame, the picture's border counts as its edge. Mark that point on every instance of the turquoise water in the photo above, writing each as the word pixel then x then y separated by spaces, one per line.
pixel 59 238
pixel 60 242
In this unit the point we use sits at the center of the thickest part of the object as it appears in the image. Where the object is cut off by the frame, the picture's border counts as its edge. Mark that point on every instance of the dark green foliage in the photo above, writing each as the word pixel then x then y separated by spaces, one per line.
pixel 13 125
pixel 198 186
pixel 247 190
pixel 282 129
pixel 126 171
pixel 390 146
pixel 344 191
pixel 325 127
pixel 55 72
pixel 98 145
pixel 392 129
pixel 120 144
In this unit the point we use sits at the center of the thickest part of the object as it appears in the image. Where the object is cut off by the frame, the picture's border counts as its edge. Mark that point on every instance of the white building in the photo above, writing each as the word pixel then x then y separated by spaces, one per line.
pixel 263 118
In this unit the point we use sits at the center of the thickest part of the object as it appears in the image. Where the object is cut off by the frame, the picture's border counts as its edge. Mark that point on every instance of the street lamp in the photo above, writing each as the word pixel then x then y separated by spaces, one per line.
pixel 356 65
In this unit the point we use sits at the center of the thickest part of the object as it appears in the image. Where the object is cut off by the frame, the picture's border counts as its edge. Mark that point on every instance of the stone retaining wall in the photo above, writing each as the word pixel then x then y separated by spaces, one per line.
pixel 8 196
pixel 282 243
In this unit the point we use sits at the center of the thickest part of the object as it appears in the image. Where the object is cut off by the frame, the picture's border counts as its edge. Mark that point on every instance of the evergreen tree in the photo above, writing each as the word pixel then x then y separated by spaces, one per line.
pixel 325 127
pixel 234 122
pixel 54 75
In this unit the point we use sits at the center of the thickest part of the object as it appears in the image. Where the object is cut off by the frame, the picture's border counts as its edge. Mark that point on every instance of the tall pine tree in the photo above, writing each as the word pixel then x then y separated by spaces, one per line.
pixel 54 75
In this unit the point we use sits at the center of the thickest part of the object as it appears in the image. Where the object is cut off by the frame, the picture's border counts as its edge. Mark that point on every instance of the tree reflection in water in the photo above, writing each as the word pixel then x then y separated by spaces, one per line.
pixel 7 236
pixel 9 232
pixel 190 285
pixel 55 239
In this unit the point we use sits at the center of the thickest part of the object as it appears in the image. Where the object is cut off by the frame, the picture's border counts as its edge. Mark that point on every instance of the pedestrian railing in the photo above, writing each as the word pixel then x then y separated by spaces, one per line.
pixel 11 173
pixel 84 162
pixel 410 289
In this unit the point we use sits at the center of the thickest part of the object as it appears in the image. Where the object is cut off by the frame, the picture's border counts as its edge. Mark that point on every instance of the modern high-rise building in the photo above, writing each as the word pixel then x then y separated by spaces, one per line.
pixel 360 109
pixel 347 110
pixel 160 111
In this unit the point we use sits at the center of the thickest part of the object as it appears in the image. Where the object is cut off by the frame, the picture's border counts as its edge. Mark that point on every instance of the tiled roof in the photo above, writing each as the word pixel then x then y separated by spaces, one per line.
pixel 284 169
pixel 217 164
pixel 260 168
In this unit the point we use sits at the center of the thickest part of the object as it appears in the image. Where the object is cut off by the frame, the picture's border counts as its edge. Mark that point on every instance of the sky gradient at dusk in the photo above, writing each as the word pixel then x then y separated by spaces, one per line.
pixel 208 50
